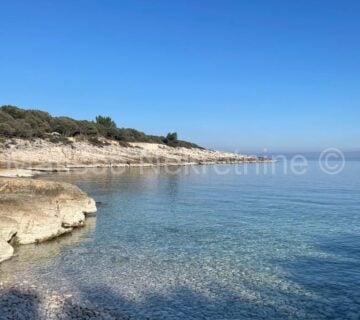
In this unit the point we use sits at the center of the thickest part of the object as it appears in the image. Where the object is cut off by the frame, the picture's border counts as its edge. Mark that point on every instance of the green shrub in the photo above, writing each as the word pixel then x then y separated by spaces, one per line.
pixel 14 112
pixel 29 124
pixel 6 130
pixel 65 126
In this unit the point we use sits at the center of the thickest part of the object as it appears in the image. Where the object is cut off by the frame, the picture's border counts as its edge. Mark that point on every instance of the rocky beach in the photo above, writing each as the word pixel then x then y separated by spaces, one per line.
pixel 34 211
pixel 180 160
pixel 43 155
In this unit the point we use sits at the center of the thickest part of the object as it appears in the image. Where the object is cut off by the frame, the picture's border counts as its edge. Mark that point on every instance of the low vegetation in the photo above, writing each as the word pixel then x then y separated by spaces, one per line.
pixel 29 124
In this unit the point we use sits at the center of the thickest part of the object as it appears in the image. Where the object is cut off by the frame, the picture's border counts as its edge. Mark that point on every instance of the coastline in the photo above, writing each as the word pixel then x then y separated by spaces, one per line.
pixel 23 159
pixel 34 210
pixel 43 155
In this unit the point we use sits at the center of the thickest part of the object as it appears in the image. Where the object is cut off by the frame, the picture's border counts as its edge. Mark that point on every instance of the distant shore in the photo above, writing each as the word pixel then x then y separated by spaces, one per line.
pixel 44 156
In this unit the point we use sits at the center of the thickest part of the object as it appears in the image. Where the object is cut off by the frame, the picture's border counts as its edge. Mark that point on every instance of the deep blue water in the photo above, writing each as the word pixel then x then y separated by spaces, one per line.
pixel 190 245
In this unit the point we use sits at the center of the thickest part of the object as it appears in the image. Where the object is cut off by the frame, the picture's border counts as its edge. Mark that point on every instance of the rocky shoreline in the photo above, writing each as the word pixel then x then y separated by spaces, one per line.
pixel 33 211
pixel 43 155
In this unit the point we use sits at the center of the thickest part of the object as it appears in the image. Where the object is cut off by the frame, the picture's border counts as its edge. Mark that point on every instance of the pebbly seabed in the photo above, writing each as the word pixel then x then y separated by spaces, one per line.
pixel 196 244
pixel 29 302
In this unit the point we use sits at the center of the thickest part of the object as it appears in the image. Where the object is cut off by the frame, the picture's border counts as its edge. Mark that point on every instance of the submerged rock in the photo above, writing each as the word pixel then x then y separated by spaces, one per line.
pixel 34 211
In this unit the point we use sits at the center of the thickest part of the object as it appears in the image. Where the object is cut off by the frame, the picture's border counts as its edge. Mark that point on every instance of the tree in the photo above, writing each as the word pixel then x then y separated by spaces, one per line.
pixel 20 123
pixel 172 137
pixel 106 122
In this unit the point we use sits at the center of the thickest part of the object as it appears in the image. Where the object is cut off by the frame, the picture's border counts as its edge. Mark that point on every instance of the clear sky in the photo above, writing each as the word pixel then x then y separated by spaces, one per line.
pixel 242 74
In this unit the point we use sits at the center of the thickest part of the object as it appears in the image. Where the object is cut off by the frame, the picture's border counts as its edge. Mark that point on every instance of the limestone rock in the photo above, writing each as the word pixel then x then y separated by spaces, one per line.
pixel 44 155
pixel 35 211
pixel 6 250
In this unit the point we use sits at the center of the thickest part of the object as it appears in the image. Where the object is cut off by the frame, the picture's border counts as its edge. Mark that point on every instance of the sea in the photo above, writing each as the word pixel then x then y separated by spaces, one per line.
pixel 247 241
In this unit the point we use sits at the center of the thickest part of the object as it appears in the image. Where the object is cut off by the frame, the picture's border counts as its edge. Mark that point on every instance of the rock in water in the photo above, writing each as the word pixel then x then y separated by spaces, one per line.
pixel 6 250
pixel 34 210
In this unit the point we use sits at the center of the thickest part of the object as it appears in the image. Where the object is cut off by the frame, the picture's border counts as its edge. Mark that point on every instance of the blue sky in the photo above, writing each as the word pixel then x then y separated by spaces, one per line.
pixel 247 75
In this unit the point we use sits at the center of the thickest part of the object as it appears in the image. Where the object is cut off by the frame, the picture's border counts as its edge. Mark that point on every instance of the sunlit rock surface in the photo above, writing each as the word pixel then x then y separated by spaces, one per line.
pixel 47 156
pixel 33 211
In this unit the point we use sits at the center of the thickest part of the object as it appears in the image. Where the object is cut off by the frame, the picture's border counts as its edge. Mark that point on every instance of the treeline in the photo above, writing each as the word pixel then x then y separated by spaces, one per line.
pixel 27 124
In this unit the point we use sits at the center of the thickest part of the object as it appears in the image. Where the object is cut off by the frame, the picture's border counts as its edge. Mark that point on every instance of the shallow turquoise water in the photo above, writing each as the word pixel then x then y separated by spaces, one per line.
pixel 204 245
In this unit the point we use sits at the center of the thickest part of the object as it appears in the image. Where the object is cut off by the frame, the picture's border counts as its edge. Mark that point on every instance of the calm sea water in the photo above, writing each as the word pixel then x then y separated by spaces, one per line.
pixel 188 245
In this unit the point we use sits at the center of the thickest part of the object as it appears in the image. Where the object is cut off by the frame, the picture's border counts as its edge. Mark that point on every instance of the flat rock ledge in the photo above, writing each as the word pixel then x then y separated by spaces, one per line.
pixel 33 211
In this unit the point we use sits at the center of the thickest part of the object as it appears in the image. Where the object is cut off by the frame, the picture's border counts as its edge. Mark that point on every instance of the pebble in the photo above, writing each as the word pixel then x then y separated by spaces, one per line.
pixel 31 303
